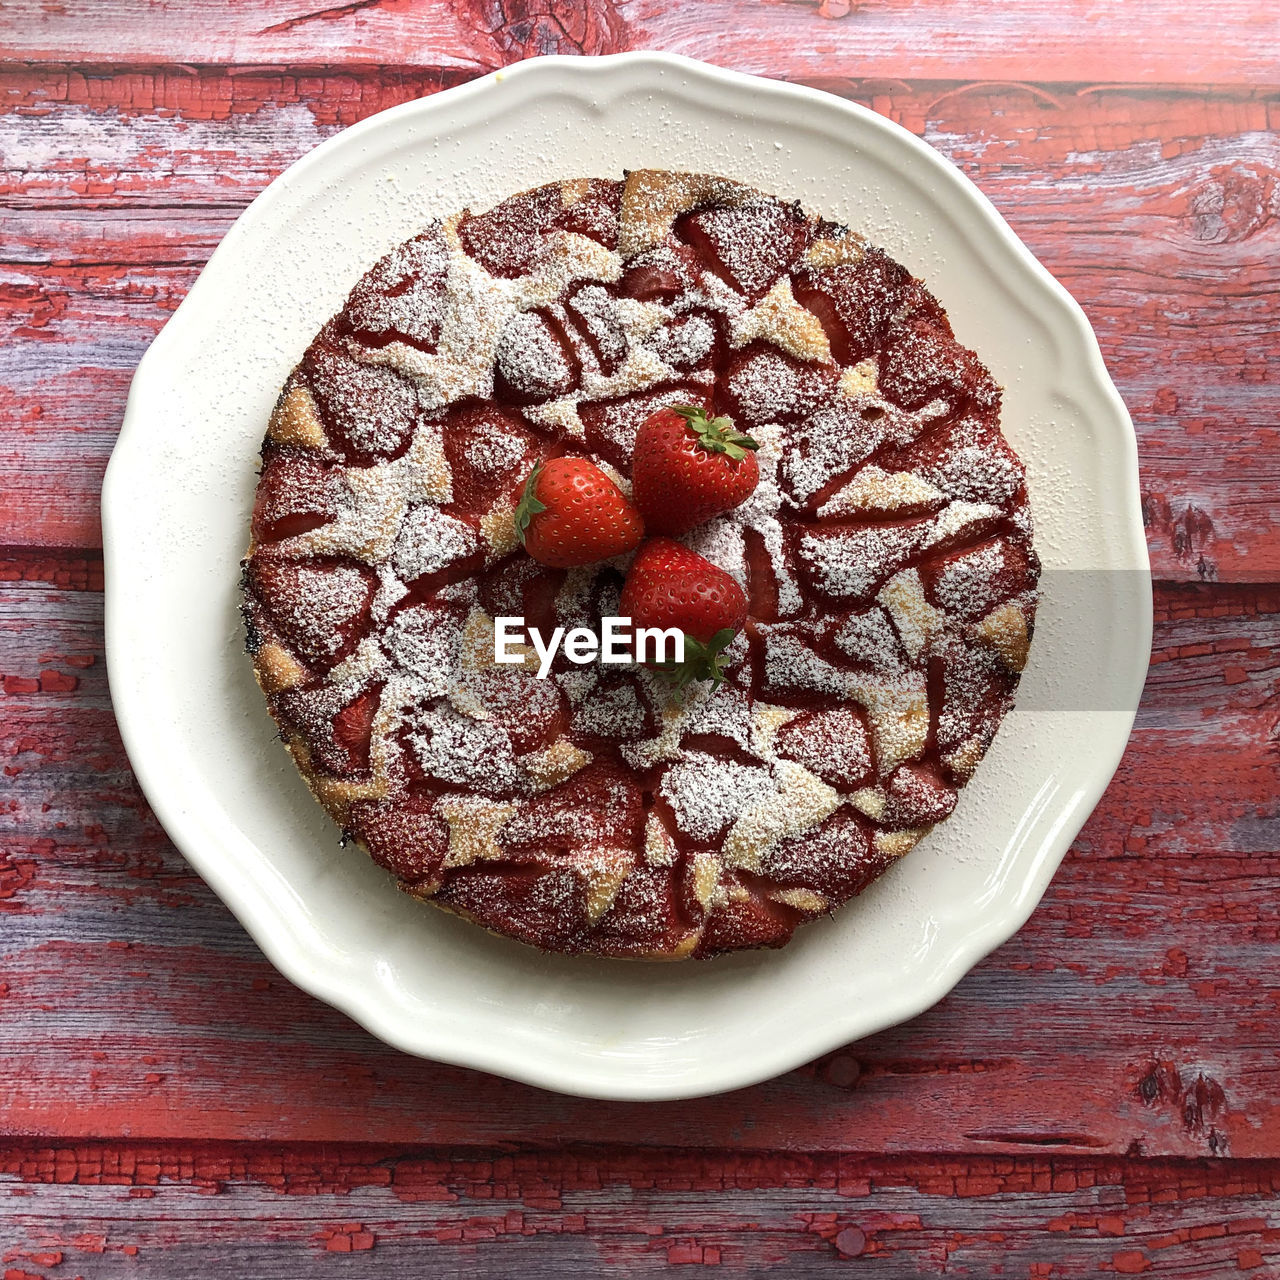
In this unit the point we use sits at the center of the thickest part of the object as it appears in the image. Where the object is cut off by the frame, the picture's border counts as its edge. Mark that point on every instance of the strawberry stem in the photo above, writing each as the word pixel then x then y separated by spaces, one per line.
pixel 717 435
pixel 702 661
pixel 528 506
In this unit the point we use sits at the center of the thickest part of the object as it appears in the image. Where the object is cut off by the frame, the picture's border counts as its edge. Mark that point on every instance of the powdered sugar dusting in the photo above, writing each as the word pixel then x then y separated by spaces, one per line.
pixel 889 530
pixel 404 295
pixel 424 642
pixel 319 603
pixel 429 541
pixel 707 794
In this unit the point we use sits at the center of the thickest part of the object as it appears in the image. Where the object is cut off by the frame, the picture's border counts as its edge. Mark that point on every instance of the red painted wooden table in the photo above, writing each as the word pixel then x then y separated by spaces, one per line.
pixel 1101 1095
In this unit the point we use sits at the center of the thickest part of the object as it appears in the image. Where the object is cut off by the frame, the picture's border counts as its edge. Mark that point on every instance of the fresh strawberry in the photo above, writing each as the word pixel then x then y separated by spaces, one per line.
pixel 571 513
pixel 688 467
pixel 670 586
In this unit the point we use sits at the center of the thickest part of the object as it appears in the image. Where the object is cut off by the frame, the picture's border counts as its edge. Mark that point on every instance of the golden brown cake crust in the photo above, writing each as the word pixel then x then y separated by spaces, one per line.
pixel 886 557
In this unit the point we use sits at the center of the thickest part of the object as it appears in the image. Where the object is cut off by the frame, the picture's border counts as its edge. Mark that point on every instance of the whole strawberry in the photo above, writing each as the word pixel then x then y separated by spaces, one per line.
pixel 688 467
pixel 670 586
pixel 571 513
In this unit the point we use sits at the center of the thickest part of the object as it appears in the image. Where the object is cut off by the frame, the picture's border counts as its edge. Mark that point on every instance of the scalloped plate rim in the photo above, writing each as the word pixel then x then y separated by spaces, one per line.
pixel 303 957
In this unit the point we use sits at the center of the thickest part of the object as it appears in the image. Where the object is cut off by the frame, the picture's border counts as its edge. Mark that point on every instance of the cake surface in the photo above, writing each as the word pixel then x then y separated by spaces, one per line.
pixel 886 556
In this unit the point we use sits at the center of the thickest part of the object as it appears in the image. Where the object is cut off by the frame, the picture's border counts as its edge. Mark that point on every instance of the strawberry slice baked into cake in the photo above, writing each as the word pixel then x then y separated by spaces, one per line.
pixel 674 399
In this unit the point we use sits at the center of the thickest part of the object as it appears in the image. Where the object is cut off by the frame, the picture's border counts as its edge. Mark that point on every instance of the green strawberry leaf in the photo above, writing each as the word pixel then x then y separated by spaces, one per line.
pixel 528 506
pixel 717 435
pixel 701 661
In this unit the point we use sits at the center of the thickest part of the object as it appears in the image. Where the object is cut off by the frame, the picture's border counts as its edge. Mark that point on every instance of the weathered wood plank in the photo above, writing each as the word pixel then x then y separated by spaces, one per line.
pixel 1152 209
pixel 69 343
pixel 193 1210
pixel 1230 41
pixel 1132 1019
pixel 1137 1006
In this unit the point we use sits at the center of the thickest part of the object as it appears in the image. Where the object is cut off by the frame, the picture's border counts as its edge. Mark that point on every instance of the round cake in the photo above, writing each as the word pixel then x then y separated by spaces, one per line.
pixel 885 555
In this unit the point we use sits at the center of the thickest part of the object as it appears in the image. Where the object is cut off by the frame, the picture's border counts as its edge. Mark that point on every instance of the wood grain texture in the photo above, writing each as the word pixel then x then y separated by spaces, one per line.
pixel 1157 212
pixel 1227 41
pixel 1135 1013
pixel 1100 1096
pixel 199 1209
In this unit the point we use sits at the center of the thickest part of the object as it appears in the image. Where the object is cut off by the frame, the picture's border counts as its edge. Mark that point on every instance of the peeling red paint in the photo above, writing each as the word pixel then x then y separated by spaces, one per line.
pixel 57 682
pixel 1071 43
pixel 14 876
pixel 350 1238
pixel 1058 164
pixel 1136 1008
pixel 1130 1262
pixel 977 1215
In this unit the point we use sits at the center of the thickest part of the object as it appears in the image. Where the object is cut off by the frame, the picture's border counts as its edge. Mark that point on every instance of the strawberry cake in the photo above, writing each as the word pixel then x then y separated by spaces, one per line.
pixel 882 567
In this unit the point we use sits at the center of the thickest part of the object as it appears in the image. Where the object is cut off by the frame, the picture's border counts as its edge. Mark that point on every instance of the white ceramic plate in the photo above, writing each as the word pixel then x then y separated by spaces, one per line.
pixel 176 507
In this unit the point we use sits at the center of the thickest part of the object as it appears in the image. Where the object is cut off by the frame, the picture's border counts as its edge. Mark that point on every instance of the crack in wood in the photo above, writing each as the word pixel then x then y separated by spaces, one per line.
pixel 334 13
pixel 1014 1138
